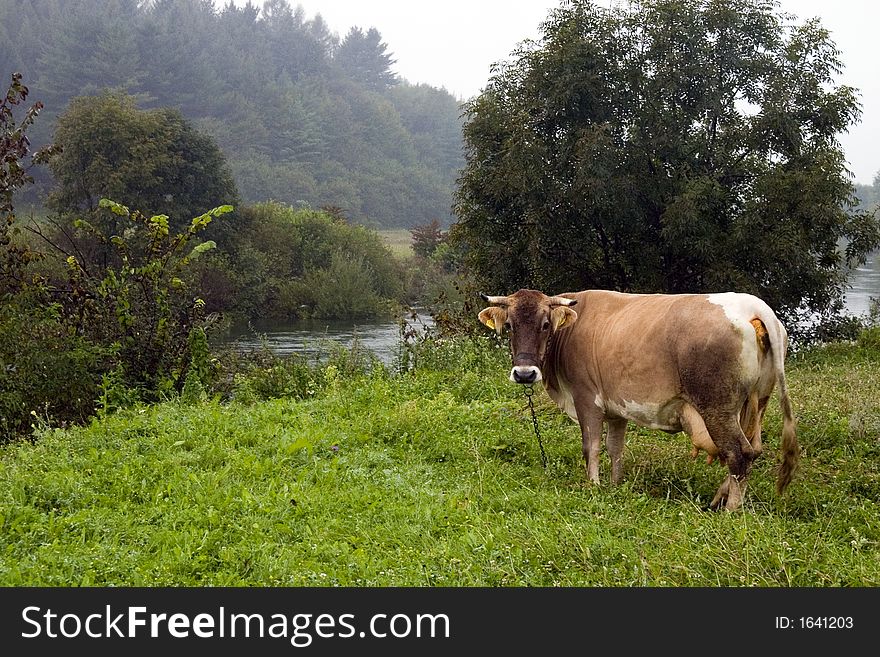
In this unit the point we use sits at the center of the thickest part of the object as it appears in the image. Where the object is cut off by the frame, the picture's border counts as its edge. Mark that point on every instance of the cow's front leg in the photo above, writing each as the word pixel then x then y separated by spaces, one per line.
pixel 614 441
pixel 730 493
pixel 591 436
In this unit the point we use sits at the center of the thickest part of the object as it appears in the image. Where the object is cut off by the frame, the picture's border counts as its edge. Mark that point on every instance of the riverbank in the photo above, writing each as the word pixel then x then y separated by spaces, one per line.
pixel 434 477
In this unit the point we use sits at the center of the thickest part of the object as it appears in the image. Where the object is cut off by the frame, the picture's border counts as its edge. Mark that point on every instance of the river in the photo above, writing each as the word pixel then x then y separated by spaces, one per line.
pixel 310 337
pixel 865 283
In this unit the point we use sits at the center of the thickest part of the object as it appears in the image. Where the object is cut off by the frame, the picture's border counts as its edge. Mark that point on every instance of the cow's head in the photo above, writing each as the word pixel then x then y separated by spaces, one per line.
pixel 531 318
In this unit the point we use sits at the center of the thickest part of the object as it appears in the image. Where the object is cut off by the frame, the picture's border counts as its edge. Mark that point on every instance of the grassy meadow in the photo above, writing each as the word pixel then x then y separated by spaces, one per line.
pixel 398 240
pixel 434 477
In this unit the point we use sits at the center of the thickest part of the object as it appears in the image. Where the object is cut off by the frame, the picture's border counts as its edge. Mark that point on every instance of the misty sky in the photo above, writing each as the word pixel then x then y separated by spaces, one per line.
pixel 452 44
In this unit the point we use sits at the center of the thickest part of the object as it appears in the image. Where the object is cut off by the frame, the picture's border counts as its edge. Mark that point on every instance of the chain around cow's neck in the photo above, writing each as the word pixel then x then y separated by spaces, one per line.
pixel 530 390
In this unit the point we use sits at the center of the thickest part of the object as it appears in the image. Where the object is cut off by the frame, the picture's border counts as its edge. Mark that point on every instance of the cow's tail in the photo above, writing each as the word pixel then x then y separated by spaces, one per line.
pixel 790 449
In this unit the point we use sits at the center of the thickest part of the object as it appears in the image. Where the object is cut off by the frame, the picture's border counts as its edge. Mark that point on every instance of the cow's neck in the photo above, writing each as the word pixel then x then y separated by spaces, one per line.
pixel 550 367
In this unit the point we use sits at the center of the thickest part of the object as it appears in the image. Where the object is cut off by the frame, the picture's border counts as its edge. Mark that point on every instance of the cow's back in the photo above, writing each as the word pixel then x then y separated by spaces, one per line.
pixel 651 349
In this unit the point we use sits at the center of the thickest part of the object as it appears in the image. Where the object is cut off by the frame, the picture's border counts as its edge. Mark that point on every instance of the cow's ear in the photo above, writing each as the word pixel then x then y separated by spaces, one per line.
pixel 562 316
pixel 494 318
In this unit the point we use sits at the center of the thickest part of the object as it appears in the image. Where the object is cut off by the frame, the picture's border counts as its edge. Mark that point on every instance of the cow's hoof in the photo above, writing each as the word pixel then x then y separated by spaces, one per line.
pixel 729 495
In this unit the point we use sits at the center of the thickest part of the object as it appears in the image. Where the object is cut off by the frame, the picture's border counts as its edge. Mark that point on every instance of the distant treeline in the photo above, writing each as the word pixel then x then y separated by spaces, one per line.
pixel 304 116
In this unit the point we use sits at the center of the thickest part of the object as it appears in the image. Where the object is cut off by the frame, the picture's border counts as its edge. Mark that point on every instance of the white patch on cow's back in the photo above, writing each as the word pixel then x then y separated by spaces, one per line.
pixel 741 309
pixel 736 305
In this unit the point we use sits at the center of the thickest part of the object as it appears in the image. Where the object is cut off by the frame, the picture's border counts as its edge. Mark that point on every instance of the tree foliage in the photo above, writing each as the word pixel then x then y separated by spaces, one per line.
pixel 290 263
pixel 14 175
pixel 666 146
pixel 364 57
pixel 155 159
pixel 99 334
pixel 427 238
pixel 303 116
pixel 45 366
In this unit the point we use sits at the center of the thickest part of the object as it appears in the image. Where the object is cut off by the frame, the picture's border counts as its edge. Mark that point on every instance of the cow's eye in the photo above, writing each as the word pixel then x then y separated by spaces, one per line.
pixel 546 326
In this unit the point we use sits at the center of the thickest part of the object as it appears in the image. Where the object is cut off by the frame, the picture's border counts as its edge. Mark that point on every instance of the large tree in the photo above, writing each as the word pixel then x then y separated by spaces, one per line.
pixel 669 146
pixel 154 160
pixel 151 160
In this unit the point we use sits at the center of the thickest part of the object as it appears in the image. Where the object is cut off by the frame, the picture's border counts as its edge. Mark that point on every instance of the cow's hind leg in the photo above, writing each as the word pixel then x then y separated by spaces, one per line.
pixel 751 419
pixel 737 453
pixel 614 442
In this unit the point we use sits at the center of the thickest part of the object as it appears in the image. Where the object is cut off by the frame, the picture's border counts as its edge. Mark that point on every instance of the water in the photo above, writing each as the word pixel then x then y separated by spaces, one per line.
pixel 313 338
pixel 865 283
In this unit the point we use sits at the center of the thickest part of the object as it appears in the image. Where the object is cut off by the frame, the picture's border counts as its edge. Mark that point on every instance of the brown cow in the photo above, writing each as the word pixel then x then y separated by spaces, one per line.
pixel 705 364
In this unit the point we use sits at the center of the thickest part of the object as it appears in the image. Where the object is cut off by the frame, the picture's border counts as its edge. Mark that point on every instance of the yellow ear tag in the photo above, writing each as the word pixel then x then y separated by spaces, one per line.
pixel 490 323
pixel 562 322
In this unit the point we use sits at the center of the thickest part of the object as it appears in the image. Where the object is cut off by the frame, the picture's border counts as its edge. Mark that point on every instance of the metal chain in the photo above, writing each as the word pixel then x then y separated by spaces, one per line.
pixel 530 390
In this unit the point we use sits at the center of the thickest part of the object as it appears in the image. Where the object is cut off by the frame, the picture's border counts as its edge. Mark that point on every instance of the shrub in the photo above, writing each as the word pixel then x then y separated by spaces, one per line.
pixel 46 367
pixel 344 290
pixel 141 307
pixel 261 374
pixel 869 339
pixel 427 238
pixel 288 263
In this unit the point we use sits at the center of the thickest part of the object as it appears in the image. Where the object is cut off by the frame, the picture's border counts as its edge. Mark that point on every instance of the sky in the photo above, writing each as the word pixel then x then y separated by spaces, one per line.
pixel 453 45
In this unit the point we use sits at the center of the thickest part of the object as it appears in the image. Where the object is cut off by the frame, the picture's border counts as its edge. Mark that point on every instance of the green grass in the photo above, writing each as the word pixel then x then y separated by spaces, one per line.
pixel 399 240
pixel 435 478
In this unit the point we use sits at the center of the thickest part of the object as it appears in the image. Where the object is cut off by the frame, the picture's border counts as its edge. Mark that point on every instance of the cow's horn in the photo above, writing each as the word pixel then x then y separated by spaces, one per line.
pixel 499 301
pixel 562 301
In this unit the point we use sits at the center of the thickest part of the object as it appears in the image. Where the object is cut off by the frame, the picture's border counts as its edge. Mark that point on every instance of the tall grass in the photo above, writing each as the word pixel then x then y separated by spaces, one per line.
pixel 433 477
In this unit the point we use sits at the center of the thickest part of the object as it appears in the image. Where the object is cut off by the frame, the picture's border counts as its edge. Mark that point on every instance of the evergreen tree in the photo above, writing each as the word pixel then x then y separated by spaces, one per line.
pixel 91 49
pixel 176 39
pixel 263 79
pixel 364 57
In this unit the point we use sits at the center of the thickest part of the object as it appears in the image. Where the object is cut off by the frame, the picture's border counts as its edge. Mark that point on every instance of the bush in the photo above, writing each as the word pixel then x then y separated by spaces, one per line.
pixel 47 369
pixel 869 339
pixel 110 337
pixel 344 290
pixel 123 327
pixel 141 307
pixel 287 263
pixel 288 377
pixel 427 238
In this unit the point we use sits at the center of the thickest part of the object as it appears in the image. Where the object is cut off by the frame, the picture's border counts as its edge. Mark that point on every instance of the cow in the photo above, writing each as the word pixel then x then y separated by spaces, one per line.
pixel 705 364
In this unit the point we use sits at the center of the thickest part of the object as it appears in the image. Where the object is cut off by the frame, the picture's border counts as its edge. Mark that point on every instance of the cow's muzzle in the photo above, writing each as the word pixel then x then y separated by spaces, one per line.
pixel 525 374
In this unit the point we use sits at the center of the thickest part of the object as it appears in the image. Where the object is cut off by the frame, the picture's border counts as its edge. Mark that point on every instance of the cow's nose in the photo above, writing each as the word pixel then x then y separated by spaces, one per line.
pixel 525 374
